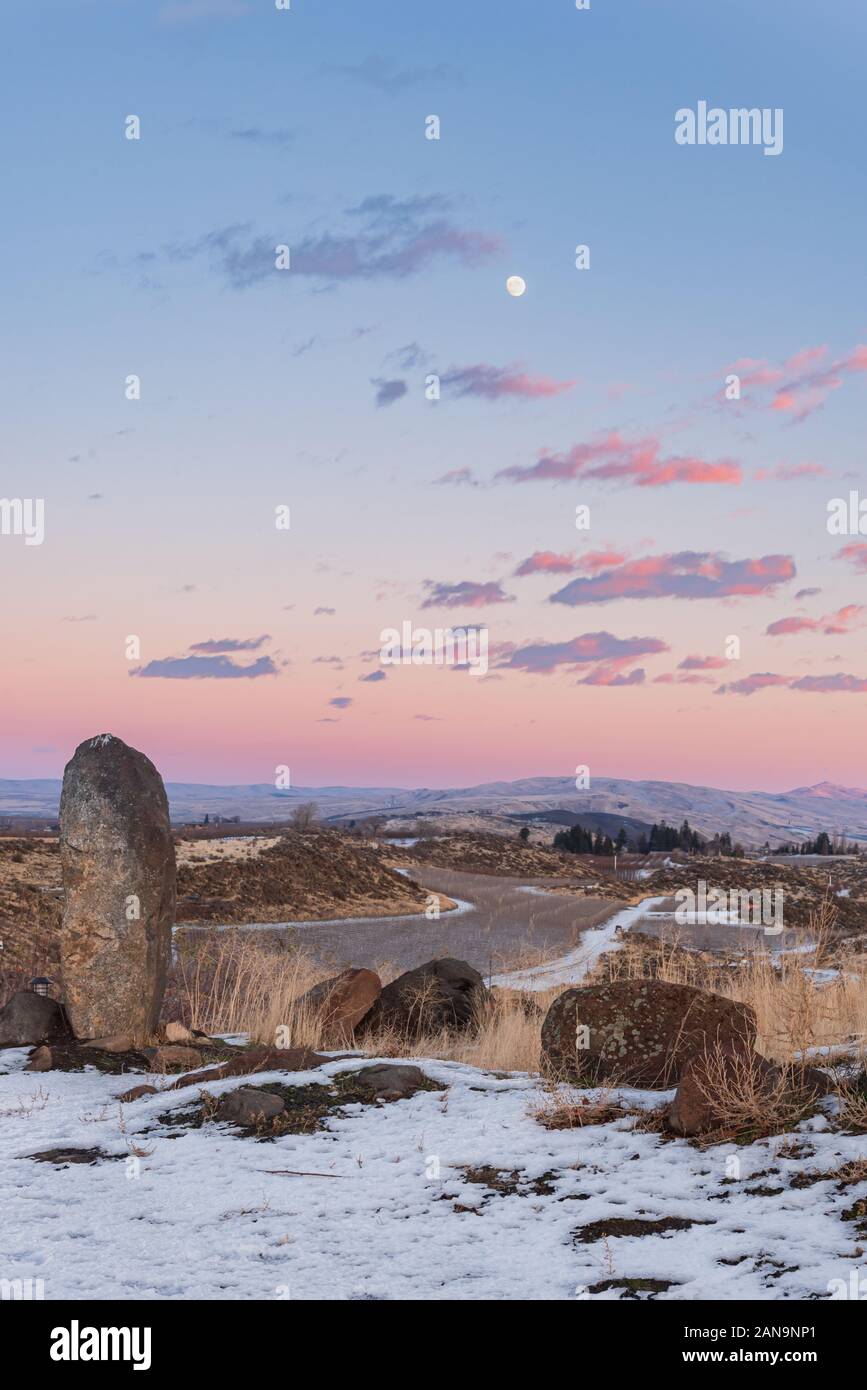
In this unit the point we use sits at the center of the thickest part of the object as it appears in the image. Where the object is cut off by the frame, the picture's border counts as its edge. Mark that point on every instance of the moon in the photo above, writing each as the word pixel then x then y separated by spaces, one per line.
pixel 516 286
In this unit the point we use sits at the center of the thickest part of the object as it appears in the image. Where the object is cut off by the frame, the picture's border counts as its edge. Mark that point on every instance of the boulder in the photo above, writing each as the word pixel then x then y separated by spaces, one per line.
pixel 40 1060
pixel 118 865
pixel 172 1056
pixel 638 1032
pixel 28 1019
pixel 247 1106
pixel 443 993
pixel 388 1081
pixel 256 1059
pixel 342 1002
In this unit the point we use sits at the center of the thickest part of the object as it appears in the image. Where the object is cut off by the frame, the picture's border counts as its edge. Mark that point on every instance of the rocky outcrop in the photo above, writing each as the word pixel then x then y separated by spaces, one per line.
pixel 638 1032
pixel 119 878
pixel 443 993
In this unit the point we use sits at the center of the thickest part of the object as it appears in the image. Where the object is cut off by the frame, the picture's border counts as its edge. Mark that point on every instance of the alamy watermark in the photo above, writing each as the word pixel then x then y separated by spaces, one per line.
pixel 424 646
pixel 847 516
pixel 21 1290
pixel 854 1288
pixel 23 516
pixel 756 907
pixel 737 126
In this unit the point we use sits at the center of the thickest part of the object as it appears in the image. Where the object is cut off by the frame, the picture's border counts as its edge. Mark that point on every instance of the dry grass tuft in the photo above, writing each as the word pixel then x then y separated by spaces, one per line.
pixel 565 1108
pixel 746 1103
pixel 853 1107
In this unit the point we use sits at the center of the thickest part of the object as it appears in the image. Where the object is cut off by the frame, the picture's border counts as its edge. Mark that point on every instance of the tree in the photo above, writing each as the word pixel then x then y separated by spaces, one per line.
pixel 524 834
pixel 304 816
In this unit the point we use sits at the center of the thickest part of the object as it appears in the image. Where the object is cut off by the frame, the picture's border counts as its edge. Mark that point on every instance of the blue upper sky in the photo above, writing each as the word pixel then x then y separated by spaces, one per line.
pixel 306 127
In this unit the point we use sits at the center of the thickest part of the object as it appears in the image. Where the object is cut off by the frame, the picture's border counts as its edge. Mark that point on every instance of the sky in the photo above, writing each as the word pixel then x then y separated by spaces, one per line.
pixel 695 379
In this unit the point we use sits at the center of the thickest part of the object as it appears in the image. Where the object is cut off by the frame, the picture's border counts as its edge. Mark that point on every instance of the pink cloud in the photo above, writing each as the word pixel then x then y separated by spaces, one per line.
pixel 788 472
pixel 831 685
pixel 750 684
pixel 493 383
pixel 671 678
pixel 595 560
pixel 637 461
pixel 803 383
pixel 832 625
pixel 546 562
pixel 702 663
pixel 785 626
pixel 549 562
pixel 541 658
pixel 856 554
pixel 609 675
pixel 466 594
pixel 686 575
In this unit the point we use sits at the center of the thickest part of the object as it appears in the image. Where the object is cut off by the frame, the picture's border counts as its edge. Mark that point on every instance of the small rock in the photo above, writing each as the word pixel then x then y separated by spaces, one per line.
pixel 247 1106
pixel 172 1057
pixel 136 1093
pixel 178 1033
pixel 40 1060
pixel 28 1019
pixel 114 1042
pixel 387 1081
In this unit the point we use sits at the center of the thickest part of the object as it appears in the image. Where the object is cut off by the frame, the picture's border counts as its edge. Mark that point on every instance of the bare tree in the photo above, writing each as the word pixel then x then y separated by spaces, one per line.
pixel 304 816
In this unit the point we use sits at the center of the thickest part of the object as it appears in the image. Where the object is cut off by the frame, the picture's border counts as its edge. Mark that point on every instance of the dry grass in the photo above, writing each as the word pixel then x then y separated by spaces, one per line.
pixel 562 1107
pixel 794 1011
pixel 745 1103
pixel 853 1108
pixel 244 982
pixel 506 1037
pixel 249 982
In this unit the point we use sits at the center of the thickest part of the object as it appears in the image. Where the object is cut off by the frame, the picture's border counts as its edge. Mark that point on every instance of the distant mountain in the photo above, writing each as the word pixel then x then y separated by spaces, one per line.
pixel 830 791
pixel 751 817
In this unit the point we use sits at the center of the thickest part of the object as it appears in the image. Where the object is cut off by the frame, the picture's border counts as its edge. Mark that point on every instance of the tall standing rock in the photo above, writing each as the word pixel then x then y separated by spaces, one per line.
pixel 118 865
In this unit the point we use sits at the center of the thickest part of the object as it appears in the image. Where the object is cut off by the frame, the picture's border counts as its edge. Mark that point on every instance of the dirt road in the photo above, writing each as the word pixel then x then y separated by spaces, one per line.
pixel 501 923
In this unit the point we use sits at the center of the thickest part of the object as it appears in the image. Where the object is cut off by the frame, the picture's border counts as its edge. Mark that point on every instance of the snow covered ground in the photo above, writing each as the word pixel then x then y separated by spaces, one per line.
pixel 395 1214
